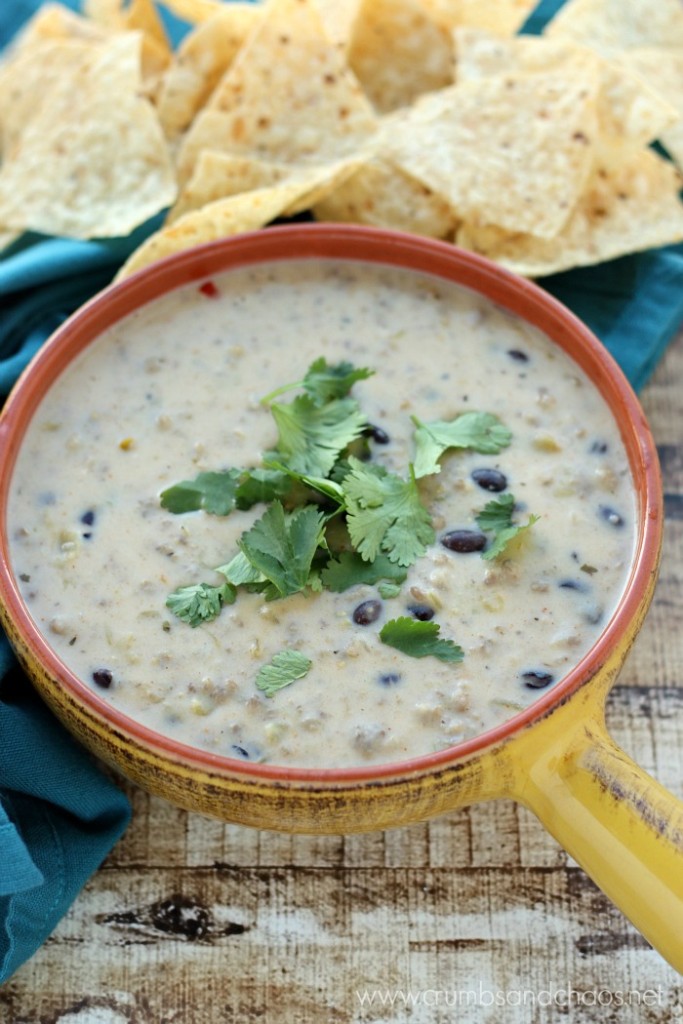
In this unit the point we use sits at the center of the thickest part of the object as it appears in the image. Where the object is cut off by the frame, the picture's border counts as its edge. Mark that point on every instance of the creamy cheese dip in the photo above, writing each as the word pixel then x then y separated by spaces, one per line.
pixel 175 389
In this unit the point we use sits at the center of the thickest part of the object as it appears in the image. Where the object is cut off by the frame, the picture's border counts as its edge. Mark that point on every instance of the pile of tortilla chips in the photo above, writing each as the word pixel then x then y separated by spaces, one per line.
pixel 429 116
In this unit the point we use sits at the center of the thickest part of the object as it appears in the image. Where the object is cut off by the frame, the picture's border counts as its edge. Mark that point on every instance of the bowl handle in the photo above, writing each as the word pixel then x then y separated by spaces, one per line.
pixel 619 824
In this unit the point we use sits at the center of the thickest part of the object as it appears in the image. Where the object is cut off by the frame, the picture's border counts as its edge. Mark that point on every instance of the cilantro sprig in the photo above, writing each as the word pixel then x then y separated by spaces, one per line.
pixel 282 670
pixel 200 602
pixel 385 514
pixel 479 431
pixel 220 493
pixel 496 518
pixel 324 381
pixel 334 520
pixel 419 639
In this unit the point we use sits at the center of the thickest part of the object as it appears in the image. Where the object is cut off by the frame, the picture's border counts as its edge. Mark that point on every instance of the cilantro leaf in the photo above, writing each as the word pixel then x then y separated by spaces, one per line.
pixel 240 572
pixel 283 669
pixel 282 547
pixel 325 381
pixel 480 431
pixel 348 569
pixel 311 437
pixel 385 514
pixel 497 514
pixel 329 488
pixel 419 639
pixel 200 602
pixel 496 517
pixel 214 492
pixel 261 485
pixel 220 493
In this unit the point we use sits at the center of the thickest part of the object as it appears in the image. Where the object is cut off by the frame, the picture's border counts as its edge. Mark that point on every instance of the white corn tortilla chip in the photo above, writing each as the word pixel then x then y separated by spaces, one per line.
pixel 202 59
pixel 609 25
pixel 513 150
pixel 623 210
pixel 381 194
pixel 627 107
pixel 93 161
pixel 219 175
pixel 398 52
pixel 287 97
pixel 234 215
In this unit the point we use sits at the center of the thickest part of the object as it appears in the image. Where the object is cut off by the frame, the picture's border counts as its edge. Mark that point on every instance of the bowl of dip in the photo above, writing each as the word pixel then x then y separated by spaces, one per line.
pixel 188 419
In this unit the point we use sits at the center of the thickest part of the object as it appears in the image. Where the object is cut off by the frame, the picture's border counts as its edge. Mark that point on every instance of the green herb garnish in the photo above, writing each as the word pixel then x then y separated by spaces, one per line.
pixel 220 493
pixel 283 669
pixel 282 547
pixel 385 514
pixel 334 520
pixel 419 639
pixel 496 518
pixel 325 381
pixel 478 431
pixel 348 569
pixel 200 602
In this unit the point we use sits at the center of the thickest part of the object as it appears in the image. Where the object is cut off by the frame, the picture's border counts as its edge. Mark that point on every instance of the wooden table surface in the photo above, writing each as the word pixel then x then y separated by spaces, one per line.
pixel 193 921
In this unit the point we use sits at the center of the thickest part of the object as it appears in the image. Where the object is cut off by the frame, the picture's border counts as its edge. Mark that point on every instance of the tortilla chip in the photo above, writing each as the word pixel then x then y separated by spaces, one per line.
pixel 338 18
pixel 627 107
pixel 232 216
pixel 504 17
pixel 203 57
pixel 382 195
pixel 219 175
pixel 30 77
pixel 7 238
pixel 195 11
pixel 108 13
pixel 53 21
pixel 288 96
pixel 609 25
pixel 662 70
pixel 92 161
pixel 623 210
pixel 142 16
pixel 397 51
pixel 513 150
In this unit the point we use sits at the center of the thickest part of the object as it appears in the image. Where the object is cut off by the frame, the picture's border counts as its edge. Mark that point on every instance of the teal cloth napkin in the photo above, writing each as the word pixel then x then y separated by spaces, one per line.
pixel 59 816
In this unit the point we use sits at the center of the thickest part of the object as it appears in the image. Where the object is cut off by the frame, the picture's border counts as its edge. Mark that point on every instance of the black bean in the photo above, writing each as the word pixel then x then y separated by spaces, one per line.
pixel 423 612
pixel 518 355
pixel 103 678
pixel 88 518
pixel 378 435
pixel 464 541
pixel 537 679
pixel 611 516
pixel 598 447
pixel 367 612
pixel 240 751
pixel 390 678
pixel 593 614
pixel 490 479
pixel 573 585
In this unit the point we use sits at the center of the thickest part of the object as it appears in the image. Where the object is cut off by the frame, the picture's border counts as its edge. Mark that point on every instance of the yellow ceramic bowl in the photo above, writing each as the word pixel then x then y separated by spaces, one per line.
pixel 555 757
